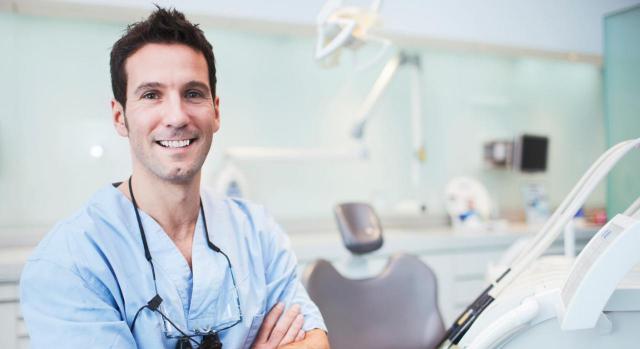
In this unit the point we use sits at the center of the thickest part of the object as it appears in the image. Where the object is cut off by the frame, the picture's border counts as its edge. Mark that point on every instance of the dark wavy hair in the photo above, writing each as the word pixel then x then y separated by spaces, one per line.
pixel 164 26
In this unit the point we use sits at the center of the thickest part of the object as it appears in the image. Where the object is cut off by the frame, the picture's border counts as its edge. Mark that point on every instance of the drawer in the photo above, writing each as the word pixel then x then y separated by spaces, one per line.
pixel 23 343
pixel 8 292
pixel 8 324
pixel 21 328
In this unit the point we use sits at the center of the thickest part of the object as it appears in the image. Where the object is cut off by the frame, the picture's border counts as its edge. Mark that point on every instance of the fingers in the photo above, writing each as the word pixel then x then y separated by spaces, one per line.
pixel 300 335
pixel 293 330
pixel 269 322
pixel 283 324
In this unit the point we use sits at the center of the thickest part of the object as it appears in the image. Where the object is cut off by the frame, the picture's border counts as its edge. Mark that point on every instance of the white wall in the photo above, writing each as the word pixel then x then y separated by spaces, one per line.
pixel 547 25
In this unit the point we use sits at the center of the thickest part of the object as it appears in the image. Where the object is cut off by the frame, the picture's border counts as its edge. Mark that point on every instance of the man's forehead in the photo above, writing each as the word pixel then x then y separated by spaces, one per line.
pixel 155 62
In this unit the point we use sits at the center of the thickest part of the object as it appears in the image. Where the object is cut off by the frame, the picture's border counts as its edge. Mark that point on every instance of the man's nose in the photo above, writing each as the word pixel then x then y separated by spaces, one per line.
pixel 176 115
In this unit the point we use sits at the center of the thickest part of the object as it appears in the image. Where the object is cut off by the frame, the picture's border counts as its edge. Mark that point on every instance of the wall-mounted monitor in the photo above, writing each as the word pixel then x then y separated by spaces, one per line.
pixel 526 153
pixel 531 153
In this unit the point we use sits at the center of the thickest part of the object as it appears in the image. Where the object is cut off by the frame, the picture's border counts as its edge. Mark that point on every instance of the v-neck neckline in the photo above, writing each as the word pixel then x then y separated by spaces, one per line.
pixel 148 221
pixel 192 284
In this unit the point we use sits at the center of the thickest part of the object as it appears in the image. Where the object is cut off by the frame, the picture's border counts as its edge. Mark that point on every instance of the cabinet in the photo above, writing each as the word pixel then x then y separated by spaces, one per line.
pixel 9 314
pixel 13 333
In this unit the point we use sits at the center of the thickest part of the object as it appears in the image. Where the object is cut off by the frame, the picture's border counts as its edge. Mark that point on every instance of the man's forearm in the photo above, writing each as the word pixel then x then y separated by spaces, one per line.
pixel 314 339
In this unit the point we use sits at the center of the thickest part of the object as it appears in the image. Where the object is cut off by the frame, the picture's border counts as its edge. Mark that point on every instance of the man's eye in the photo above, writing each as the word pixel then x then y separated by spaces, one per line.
pixel 194 94
pixel 150 95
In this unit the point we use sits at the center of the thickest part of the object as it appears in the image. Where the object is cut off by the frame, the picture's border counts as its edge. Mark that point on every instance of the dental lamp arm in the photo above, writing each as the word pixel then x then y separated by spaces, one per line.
pixel 417 132
pixel 372 98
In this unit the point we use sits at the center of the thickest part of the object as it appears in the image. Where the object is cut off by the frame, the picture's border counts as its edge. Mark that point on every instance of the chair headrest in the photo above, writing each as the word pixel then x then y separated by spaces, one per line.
pixel 359 227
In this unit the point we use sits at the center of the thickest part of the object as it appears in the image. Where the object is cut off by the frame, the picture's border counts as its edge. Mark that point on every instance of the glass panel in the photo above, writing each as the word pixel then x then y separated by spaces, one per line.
pixel 622 105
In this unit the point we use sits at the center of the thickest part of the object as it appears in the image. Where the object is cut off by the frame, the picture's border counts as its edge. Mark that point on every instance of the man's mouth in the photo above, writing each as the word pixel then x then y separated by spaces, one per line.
pixel 176 143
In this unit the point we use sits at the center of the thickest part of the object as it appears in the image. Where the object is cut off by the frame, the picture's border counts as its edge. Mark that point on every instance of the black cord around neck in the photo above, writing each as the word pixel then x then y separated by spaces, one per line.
pixel 147 253
pixel 154 303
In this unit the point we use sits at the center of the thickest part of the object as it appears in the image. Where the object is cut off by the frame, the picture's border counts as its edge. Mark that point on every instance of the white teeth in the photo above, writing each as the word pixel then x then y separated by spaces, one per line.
pixel 175 144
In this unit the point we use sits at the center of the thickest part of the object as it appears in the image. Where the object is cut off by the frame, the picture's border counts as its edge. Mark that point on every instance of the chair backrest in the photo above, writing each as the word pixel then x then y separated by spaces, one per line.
pixel 397 309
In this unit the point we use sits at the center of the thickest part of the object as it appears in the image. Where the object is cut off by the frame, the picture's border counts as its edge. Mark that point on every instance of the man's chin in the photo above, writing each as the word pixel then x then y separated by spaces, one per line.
pixel 181 178
pixel 175 172
pixel 179 175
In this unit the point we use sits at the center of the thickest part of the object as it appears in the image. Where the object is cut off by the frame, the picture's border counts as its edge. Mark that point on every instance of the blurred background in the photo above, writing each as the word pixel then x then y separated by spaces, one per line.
pixel 489 70
pixel 450 126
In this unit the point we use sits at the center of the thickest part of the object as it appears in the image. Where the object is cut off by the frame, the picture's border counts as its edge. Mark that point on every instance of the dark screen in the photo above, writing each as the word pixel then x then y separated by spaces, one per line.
pixel 534 153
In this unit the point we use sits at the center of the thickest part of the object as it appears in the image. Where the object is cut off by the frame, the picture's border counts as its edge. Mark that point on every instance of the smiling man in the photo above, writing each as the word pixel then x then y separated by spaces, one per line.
pixel 155 261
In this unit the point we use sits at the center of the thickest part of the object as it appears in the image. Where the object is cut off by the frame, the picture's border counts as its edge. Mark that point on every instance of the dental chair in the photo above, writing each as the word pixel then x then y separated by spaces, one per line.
pixel 396 309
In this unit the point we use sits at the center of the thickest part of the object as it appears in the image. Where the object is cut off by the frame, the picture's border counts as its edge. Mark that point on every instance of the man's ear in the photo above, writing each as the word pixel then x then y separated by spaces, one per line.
pixel 216 116
pixel 119 120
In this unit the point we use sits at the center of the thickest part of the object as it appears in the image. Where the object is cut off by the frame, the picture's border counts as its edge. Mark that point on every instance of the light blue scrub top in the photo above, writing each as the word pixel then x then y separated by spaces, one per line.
pixel 88 277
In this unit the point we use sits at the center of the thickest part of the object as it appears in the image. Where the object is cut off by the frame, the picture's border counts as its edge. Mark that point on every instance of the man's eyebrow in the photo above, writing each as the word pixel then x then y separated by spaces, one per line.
pixel 147 85
pixel 198 84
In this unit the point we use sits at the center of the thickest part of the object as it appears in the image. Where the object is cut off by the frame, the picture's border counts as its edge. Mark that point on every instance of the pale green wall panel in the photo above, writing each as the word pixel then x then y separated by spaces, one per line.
pixel 622 102
pixel 55 93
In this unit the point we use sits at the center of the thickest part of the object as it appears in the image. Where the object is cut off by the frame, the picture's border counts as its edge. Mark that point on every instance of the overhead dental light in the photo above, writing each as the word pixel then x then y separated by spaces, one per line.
pixel 348 27
pixel 341 26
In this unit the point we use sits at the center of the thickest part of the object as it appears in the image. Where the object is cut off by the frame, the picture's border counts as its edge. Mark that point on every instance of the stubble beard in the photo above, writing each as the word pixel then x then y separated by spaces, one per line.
pixel 170 173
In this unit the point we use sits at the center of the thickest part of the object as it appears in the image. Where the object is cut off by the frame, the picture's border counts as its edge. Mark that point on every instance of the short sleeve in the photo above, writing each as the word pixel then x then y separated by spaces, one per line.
pixel 283 282
pixel 63 310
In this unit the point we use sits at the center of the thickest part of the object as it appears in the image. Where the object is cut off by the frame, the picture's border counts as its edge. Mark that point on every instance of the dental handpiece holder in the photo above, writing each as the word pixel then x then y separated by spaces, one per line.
pixel 606 259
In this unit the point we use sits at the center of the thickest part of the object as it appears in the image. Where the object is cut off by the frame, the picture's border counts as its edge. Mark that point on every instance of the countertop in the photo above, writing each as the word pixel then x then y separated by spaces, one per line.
pixel 312 245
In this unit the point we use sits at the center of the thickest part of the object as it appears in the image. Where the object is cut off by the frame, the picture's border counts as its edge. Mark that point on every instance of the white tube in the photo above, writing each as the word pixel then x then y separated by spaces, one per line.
pixel 347 27
pixel 570 240
pixel 566 211
pixel 602 160
pixel 591 180
pixel 506 325
pixel 568 199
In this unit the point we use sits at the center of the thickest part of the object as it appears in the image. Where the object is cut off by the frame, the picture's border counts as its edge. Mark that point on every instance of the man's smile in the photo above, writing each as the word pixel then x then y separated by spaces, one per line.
pixel 181 143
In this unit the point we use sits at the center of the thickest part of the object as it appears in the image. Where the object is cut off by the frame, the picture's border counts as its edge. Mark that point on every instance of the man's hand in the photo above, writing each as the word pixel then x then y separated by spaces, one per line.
pixel 279 329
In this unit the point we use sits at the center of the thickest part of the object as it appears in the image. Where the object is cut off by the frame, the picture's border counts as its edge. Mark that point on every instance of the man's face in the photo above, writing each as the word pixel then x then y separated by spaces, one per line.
pixel 170 115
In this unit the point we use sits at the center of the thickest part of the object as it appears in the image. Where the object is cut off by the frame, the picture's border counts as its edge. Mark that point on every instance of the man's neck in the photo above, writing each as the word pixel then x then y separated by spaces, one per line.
pixel 175 206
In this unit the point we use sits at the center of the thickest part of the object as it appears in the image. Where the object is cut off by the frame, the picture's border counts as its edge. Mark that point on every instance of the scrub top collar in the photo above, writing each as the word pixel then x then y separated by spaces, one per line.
pixel 188 291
